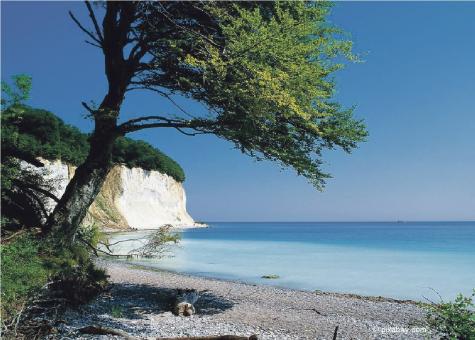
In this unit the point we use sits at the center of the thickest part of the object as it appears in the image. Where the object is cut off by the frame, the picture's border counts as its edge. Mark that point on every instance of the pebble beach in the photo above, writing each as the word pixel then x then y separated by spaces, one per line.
pixel 138 303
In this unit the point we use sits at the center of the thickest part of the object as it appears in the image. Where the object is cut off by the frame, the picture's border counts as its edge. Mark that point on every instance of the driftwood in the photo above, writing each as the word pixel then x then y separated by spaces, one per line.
pixel 217 337
pixel 97 330
pixel 335 333
pixel 184 302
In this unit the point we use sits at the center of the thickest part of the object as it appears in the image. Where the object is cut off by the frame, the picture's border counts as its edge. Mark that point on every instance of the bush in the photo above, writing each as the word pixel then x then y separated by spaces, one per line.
pixel 75 277
pixel 29 262
pixel 453 320
pixel 23 274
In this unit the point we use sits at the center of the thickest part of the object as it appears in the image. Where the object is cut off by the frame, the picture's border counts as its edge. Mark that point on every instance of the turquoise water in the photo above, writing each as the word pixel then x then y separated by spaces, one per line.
pixel 400 260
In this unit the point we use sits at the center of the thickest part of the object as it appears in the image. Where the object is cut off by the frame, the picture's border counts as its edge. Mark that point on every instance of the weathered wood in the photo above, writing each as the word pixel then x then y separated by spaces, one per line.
pixel 98 330
pixel 184 302
pixel 217 337
pixel 335 333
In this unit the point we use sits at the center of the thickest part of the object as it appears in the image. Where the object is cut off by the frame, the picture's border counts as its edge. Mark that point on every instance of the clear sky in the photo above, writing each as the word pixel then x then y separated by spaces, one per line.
pixel 415 90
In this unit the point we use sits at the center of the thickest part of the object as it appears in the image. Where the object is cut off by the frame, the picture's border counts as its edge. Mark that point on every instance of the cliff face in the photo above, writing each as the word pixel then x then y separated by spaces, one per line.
pixel 129 198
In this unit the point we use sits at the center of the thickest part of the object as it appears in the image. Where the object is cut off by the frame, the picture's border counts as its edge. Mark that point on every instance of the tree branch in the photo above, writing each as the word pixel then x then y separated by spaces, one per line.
pixel 36 188
pixel 132 125
pixel 94 21
pixel 173 22
pixel 162 93
pixel 140 119
pixel 91 43
pixel 191 133
pixel 89 33
pixel 176 126
pixel 87 107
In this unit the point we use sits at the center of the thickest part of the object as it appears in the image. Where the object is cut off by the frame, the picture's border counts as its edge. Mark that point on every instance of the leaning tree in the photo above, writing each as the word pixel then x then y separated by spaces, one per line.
pixel 263 70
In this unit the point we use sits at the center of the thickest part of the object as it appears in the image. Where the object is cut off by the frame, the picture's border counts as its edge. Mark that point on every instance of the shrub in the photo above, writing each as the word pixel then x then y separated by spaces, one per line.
pixel 23 274
pixel 453 320
pixel 116 311
pixel 28 263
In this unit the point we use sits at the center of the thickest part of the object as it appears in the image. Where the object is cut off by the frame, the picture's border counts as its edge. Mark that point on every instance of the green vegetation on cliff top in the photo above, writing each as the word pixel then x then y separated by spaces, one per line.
pixel 40 133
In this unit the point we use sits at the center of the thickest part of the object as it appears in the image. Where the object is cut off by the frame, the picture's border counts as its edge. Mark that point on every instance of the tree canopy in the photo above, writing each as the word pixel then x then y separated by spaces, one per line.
pixel 263 69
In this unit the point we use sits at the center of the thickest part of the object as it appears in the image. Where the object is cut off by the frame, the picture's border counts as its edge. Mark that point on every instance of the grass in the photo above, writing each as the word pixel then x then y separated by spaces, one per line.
pixel 117 311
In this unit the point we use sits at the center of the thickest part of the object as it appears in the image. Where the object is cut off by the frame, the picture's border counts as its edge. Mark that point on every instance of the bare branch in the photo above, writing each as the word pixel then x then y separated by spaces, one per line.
pixel 91 43
pixel 177 126
pixel 191 133
pixel 140 119
pixel 162 93
pixel 126 240
pixel 89 33
pixel 139 50
pixel 88 107
pixel 94 21
pixel 40 204
pixel 132 125
pixel 36 188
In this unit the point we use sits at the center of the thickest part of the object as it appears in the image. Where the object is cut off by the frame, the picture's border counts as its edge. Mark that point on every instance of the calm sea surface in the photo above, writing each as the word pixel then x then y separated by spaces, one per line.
pixel 400 260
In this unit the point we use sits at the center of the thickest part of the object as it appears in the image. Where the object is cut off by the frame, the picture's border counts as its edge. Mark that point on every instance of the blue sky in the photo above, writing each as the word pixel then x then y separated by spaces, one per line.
pixel 415 91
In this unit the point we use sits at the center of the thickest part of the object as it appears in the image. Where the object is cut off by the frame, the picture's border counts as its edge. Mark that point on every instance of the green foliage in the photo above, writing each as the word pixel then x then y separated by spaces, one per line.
pixel 270 276
pixel 265 70
pixel 453 320
pixel 117 311
pixel 28 133
pixel 29 262
pixel 23 273
pixel 20 91
pixel 136 153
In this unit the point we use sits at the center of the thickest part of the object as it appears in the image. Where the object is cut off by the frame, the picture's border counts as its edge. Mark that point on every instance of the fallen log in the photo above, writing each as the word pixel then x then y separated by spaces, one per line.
pixel 98 330
pixel 217 337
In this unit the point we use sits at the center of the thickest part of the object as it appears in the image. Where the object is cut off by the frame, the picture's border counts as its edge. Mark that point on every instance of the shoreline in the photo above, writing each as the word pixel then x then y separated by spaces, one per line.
pixel 376 298
pixel 177 227
pixel 138 303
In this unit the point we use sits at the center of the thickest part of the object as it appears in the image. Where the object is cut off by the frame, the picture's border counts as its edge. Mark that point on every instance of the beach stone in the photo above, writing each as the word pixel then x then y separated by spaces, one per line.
pixel 239 309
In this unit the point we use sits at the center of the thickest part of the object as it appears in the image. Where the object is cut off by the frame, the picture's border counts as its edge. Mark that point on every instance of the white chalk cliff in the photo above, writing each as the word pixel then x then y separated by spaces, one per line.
pixel 129 198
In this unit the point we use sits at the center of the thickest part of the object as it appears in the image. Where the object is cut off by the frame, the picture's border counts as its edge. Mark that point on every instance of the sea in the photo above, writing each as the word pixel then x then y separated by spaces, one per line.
pixel 404 260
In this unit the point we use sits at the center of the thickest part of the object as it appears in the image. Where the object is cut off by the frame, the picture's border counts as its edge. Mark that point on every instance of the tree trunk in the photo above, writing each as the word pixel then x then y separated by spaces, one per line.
pixel 87 181
pixel 83 187
pixel 89 177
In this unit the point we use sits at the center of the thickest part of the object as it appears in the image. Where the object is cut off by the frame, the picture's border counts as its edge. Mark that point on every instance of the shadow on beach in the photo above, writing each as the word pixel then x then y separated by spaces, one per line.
pixel 133 301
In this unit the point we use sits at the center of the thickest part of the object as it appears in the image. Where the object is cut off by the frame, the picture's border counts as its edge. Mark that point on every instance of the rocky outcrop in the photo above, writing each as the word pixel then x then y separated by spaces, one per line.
pixel 130 198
